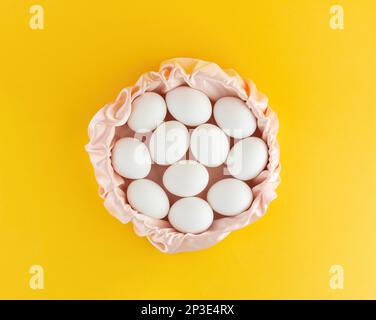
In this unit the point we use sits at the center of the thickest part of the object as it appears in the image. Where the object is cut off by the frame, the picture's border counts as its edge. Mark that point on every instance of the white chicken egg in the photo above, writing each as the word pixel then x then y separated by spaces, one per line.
pixel 169 142
pixel 149 198
pixel 230 197
pixel 131 158
pixel 186 178
pixel 148 112
pixel 209 145
pixel 234 117
pixel 247 158
pixel 190 106
pixel 191 215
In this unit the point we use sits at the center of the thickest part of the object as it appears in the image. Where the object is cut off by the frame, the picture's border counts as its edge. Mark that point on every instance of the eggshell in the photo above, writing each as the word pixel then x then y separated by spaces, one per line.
pixel 234 117
pixel 148 112
pixel 131 158
pixel 230 197
pixel 209 145
pixel 191 215
pixel 186 178
pixel 148 198
pixel 247 158
pixel 169 142
pixel 190 106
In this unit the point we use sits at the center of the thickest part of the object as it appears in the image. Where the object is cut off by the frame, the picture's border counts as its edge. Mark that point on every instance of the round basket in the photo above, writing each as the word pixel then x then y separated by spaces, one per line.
pixel 108 125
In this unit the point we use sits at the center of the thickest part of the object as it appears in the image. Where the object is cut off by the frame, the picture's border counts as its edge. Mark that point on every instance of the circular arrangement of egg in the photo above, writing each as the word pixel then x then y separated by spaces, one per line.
pixel 208 150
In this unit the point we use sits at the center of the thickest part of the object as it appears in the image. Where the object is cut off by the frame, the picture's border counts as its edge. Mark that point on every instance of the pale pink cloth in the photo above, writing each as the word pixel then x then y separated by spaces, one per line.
pixel 216 83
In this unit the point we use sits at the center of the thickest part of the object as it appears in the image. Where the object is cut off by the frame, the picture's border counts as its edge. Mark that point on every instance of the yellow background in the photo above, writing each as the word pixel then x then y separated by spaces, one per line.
pixel 320 81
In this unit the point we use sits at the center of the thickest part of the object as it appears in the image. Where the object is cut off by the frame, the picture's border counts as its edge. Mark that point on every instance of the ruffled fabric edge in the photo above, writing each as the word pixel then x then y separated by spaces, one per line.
pixel 216 83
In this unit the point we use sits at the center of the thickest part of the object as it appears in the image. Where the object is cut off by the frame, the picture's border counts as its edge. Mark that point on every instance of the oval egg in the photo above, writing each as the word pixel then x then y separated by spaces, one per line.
pixel 169 143
pixel 209 145
pixel 148 112
pixel 191 215
pixel 189 106
pixel 247 158
pixel 148 198
pixel 131 158
pixel 234 117
pixel 186 178
pixel 230 197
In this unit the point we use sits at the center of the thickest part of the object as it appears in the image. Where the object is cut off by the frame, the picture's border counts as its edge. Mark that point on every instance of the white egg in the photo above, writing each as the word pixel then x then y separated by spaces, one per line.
pixel 209 145
pixel 186 178
pixel 234 117
pixel 148 198
pixel 191 215
pixel 169 143
pixel 131 158
pixel 190 106
pixel 148 112
pixel 247 158
pixel 230 197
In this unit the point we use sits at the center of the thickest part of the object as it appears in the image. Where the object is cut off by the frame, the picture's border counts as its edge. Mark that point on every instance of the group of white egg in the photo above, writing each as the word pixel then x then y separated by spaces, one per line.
pixel 210 147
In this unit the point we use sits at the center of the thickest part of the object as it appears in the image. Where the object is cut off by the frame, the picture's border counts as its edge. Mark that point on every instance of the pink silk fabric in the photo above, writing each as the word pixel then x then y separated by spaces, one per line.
pixel 216 83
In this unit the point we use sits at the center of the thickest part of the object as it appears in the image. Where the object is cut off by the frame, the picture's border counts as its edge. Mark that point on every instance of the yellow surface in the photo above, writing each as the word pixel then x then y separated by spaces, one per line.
pixel 320 81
